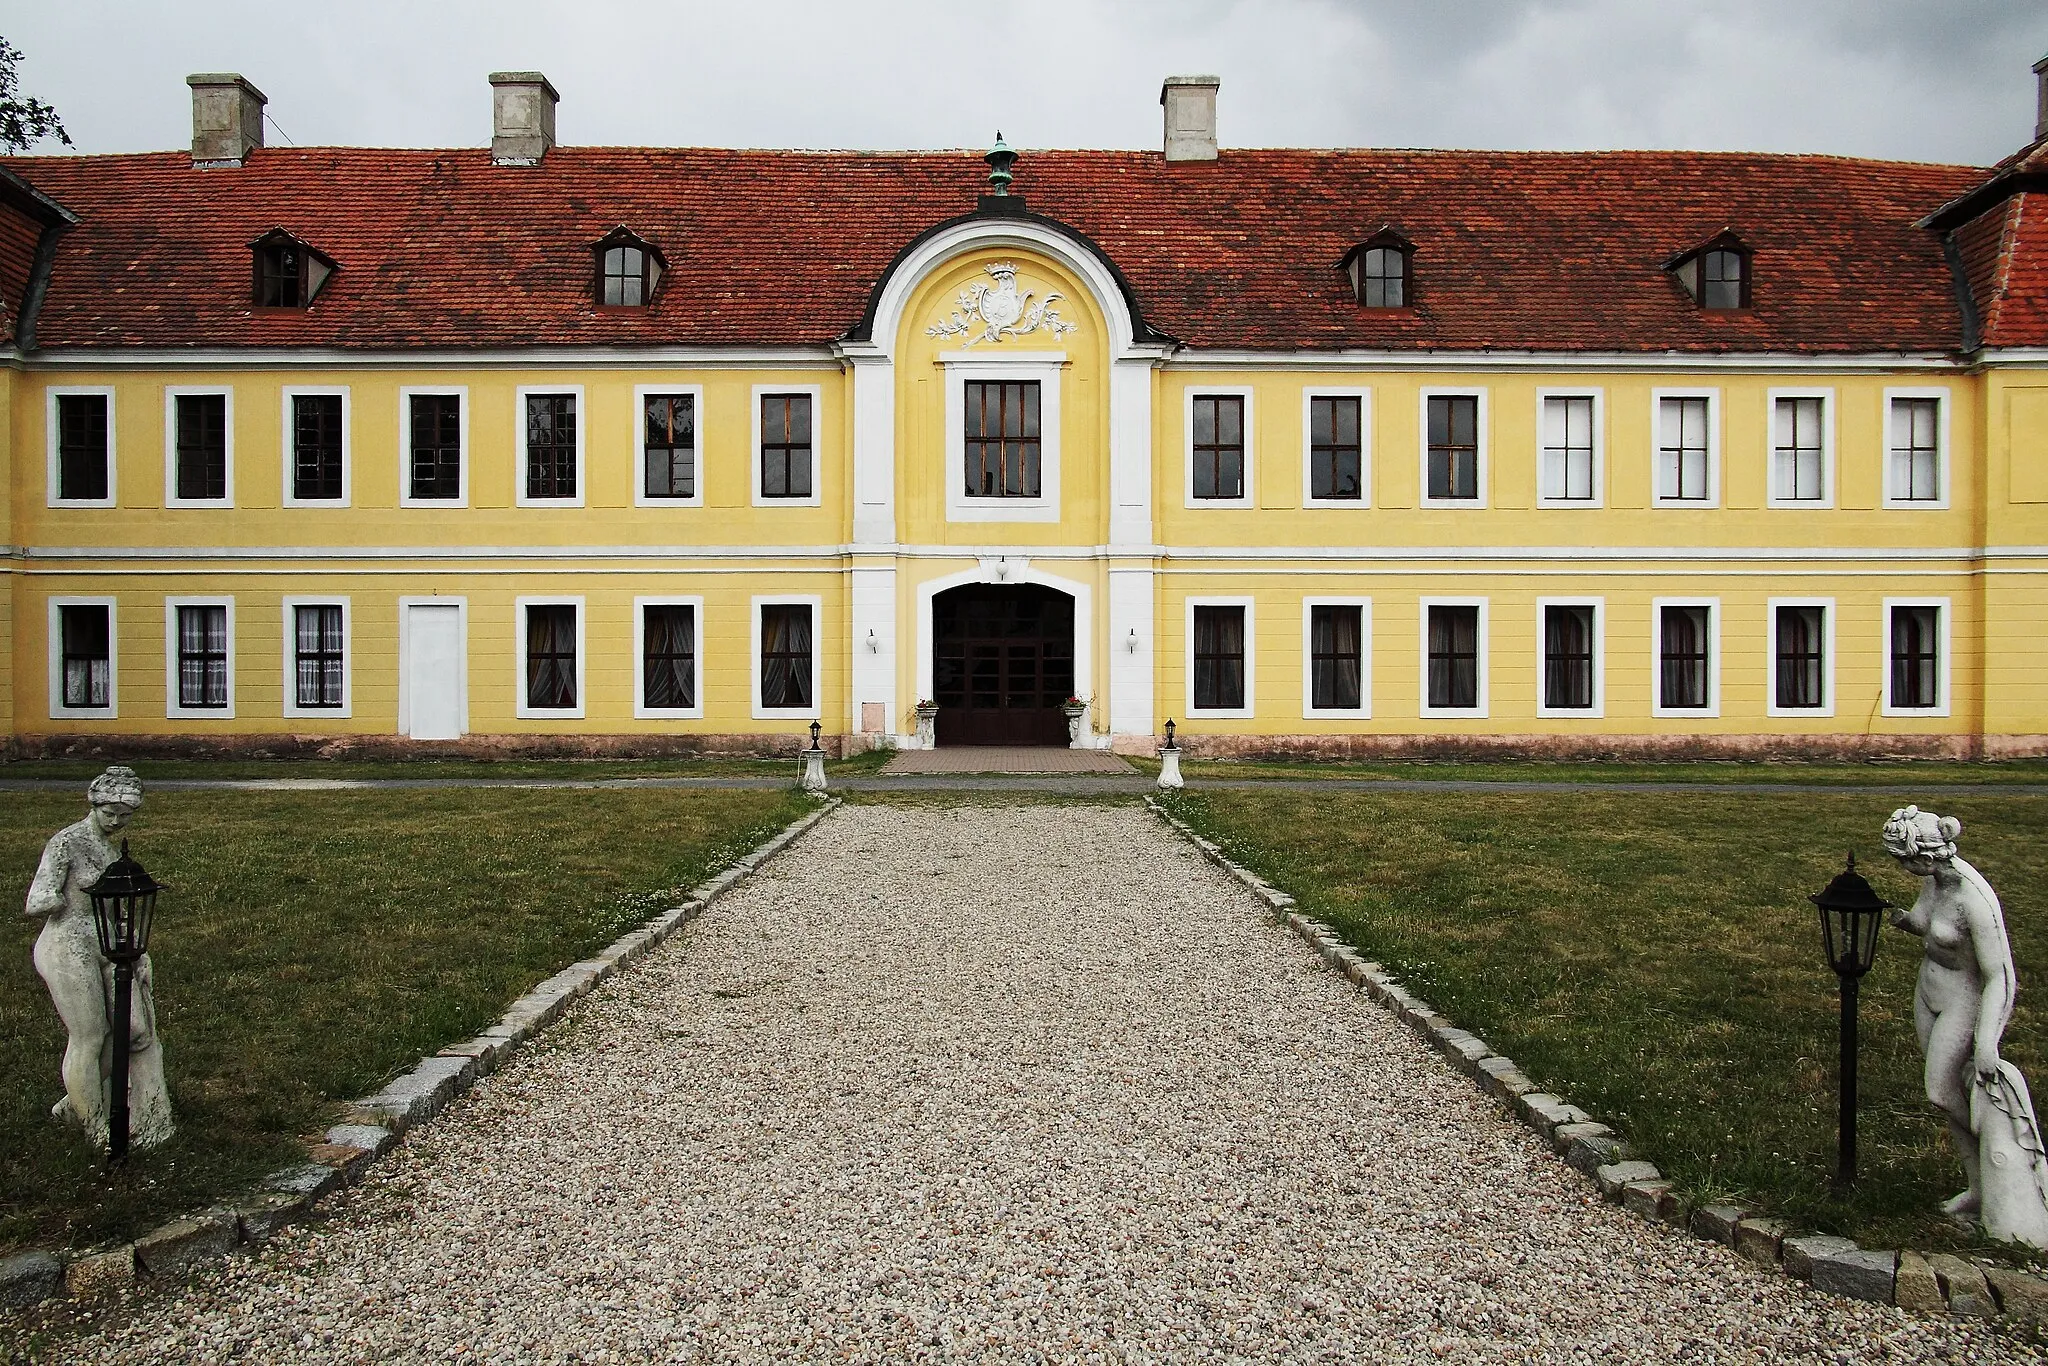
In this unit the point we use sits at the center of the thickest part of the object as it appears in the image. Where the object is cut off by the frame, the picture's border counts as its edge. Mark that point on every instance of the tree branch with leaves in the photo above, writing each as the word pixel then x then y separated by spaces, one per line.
pixel 24 120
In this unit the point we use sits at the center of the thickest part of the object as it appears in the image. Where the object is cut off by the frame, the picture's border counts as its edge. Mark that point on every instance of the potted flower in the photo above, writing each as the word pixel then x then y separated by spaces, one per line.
pixel 1076 709
pixel 927 721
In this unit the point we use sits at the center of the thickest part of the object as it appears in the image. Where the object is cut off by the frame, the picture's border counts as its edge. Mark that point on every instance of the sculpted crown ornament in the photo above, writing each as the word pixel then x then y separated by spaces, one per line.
pixel 992 312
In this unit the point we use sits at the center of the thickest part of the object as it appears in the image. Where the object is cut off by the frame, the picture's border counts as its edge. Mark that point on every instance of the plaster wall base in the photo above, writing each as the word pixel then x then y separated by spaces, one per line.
pixel 1645 747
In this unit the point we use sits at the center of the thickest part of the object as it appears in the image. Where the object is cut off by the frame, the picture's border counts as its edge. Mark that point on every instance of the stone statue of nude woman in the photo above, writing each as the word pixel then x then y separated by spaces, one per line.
pixel 81 981
pixel 1960 1010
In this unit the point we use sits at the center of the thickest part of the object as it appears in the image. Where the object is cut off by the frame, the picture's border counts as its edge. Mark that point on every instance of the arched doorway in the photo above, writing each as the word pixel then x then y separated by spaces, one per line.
pixel 1002 664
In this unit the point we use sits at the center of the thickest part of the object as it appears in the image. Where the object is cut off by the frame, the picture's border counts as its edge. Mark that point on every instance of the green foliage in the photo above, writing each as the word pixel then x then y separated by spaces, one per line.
pixel 24 120
pixel 312 945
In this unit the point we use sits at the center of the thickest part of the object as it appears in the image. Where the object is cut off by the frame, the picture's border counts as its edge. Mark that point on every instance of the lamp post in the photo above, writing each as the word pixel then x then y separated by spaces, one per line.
pixel 1850 915
pixel 1169 762
pixel 123 906
pixel 813 779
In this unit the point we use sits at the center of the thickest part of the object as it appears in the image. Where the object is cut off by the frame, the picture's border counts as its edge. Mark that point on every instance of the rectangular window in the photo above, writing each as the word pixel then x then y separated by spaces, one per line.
pixel 87 662
pixel 202 446
pixel 1002 434
pixel 318 646
pixel 786 453
pixel 1915 469
pixel 83 454
pixel 316 447
pixel 1683 644
pixel 1336 447
pixel 1453 446
pixel 551 447
pixel 551 656
pixel 1219 658
pixel 1336 636
pixel 669 445
pixel 1568 448
pixel 1683 450
pixel 1453 656
pixel 1218 446
pixel 1568 657
pixel 203 657
pixel 1915 657
pixel 1801 657
pixel 435 434
pixel 786 656
pixel 1798 451
pixel 668 656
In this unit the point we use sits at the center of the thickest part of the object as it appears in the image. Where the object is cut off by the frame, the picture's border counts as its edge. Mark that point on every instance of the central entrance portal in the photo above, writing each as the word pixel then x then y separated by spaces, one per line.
pixel 1002 664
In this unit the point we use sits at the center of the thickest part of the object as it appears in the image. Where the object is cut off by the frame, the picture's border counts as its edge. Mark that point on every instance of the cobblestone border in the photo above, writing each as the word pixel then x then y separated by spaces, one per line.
pixel 370 1126
pixel 1908 1279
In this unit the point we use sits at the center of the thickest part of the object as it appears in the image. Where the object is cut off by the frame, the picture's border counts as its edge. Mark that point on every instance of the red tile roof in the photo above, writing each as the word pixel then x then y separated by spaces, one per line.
pixel 1520 251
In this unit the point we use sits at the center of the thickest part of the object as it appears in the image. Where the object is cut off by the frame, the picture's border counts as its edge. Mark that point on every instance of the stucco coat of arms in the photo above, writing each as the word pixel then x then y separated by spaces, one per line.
pixel 992 312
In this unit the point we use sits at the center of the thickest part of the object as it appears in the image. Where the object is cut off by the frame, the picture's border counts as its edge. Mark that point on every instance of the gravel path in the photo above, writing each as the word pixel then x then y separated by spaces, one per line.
pixel 901 1097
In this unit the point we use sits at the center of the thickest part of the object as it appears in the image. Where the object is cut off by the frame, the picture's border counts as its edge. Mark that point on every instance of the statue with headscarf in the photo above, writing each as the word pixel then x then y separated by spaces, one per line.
pixel 81 980
pixel 1960 1009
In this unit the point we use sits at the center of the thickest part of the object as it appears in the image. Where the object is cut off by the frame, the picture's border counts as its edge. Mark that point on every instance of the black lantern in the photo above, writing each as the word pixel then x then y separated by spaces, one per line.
pixel 1169 734
pixel 815 728
pixel 123 908
pixel 1851 913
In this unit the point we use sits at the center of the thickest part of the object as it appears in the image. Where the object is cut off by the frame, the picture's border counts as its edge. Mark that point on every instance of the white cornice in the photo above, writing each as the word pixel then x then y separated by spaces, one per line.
pixel 1660 362
pixel 539 357
pixel 2010 357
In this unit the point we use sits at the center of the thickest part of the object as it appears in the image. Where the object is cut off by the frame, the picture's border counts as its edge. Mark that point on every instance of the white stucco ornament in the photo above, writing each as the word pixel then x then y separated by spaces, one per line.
pixel 990 313
pixel 81 981
pixel 1960 1007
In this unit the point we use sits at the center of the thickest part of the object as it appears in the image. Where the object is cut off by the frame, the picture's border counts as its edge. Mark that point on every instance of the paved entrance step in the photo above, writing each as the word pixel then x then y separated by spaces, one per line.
pixel 1004 759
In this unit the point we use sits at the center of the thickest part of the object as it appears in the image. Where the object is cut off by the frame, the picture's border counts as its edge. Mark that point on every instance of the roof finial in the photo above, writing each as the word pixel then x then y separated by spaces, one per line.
pixel 1000 159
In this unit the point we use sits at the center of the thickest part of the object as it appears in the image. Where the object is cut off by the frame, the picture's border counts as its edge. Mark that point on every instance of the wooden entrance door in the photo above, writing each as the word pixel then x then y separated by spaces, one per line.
pixel 1002 664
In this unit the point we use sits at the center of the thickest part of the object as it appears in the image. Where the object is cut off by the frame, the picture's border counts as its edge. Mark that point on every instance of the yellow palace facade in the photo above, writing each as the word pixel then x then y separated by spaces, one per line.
pixel 659 450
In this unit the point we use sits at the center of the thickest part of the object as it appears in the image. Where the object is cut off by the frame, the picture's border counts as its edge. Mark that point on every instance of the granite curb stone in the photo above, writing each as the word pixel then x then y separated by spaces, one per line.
pixel 1760 1240
pixel 1914 1285
pixel 1858 1274
pixel 374 1123
pixel 1963 1285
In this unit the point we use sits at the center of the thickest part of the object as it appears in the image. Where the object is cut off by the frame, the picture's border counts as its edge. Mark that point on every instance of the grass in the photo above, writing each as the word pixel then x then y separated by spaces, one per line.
pixel 1654 958
pixel 570 770
pixel 1887 773
pixel 313 945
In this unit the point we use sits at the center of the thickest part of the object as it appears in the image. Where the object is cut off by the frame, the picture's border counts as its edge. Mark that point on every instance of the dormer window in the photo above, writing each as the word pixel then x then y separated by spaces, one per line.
pixel 1715 273
pixel 1382 270
pixel 628 270
pixel 288 273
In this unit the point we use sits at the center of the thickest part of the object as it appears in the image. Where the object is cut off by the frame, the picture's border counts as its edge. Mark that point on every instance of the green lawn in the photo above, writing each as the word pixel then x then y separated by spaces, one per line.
pixel 314 944
pixel 1905 773
pixel 1654 958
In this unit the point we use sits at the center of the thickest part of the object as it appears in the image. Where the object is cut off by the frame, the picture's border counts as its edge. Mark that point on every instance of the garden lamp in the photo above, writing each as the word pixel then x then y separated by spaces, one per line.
pixel 123 906
pixel 1850 914
pixel 815 728
pixel 1169 734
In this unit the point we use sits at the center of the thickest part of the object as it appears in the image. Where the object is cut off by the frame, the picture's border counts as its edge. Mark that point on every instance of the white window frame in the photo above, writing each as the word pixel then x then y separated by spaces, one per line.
pixel 1944 403
pixel 1044 368
pixel 641 393
pixel 817 393
pixel 520 708
pixel 460 392
pixel 641 711
pixel 520 395
pixel 1482 463
pixel 1187 449
pixel 816 603
pixel 1827 662
pixel 290 652
pixel 1364 498
pixel 1599 474
pixel 1250 607
pixel 1599 708
pixel 54 468
pixel 172 710
pixel 1943 634
pixel 288 431
pixel 1713 398
pixel 1309 709
pixel 1713 707
pixel 172 393
pixel 1480 712
pixel 1827 448
pixel 58 711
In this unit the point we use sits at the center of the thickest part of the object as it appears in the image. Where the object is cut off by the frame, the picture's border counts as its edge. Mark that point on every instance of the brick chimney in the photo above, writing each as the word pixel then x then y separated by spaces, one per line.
pixel 522 117
pixel 1190 103
pixel 227 118
pixel 2041 99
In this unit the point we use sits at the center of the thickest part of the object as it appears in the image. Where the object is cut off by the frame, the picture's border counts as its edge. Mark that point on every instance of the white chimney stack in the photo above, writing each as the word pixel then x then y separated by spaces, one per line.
pixel 522 117
pixel 1190 103
pixel 2041 99
pixel 227 118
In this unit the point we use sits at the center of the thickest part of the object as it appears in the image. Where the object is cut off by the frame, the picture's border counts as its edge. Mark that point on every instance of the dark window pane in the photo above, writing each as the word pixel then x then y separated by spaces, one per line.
pixel 1916 657
pixel 671 445
pixel 1721 279
pixel 1336 658
pixel 668 659
pixel 786 656
pixel 202 445
pixel 1568 657
pixel 280 275
pixel 86 648
pixel 1003 439
pixel 551 656
pixel 1453 446
pixel 786 454
pixel 1219 657
pixel 1385 278
pixel 1453 657
pixel 436 445
pixel 1219 446
pixel 318 650
pixel 1682 657
pixel 316 446
pixel 1336 457
pixel 551 445
pixel 1801 661
pixel 82 446
pixel 203 657
pixel 1916 449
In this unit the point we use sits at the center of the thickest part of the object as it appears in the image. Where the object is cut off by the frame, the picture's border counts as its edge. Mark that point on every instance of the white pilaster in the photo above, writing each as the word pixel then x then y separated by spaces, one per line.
pixel 1130 650
pixel 874 643
pixel 1130 455
pixel 874 447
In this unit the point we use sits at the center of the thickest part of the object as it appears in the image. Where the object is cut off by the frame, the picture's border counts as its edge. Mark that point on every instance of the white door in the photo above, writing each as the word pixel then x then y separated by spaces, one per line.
pixel 436 675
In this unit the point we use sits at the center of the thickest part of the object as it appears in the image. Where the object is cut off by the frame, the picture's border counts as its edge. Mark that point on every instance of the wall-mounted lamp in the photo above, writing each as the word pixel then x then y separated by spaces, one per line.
pixel 1131 641
pixel 1002 570
pixel 874 646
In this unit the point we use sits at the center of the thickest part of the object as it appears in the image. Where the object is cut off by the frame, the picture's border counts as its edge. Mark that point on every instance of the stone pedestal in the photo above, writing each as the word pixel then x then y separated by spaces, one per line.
pixel 1077 720
pixel 1169 769
pixel 927 727
pixel 813 779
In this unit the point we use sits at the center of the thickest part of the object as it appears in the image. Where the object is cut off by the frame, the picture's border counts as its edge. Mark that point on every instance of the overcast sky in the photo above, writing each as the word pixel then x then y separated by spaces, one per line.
pixel 1928 80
